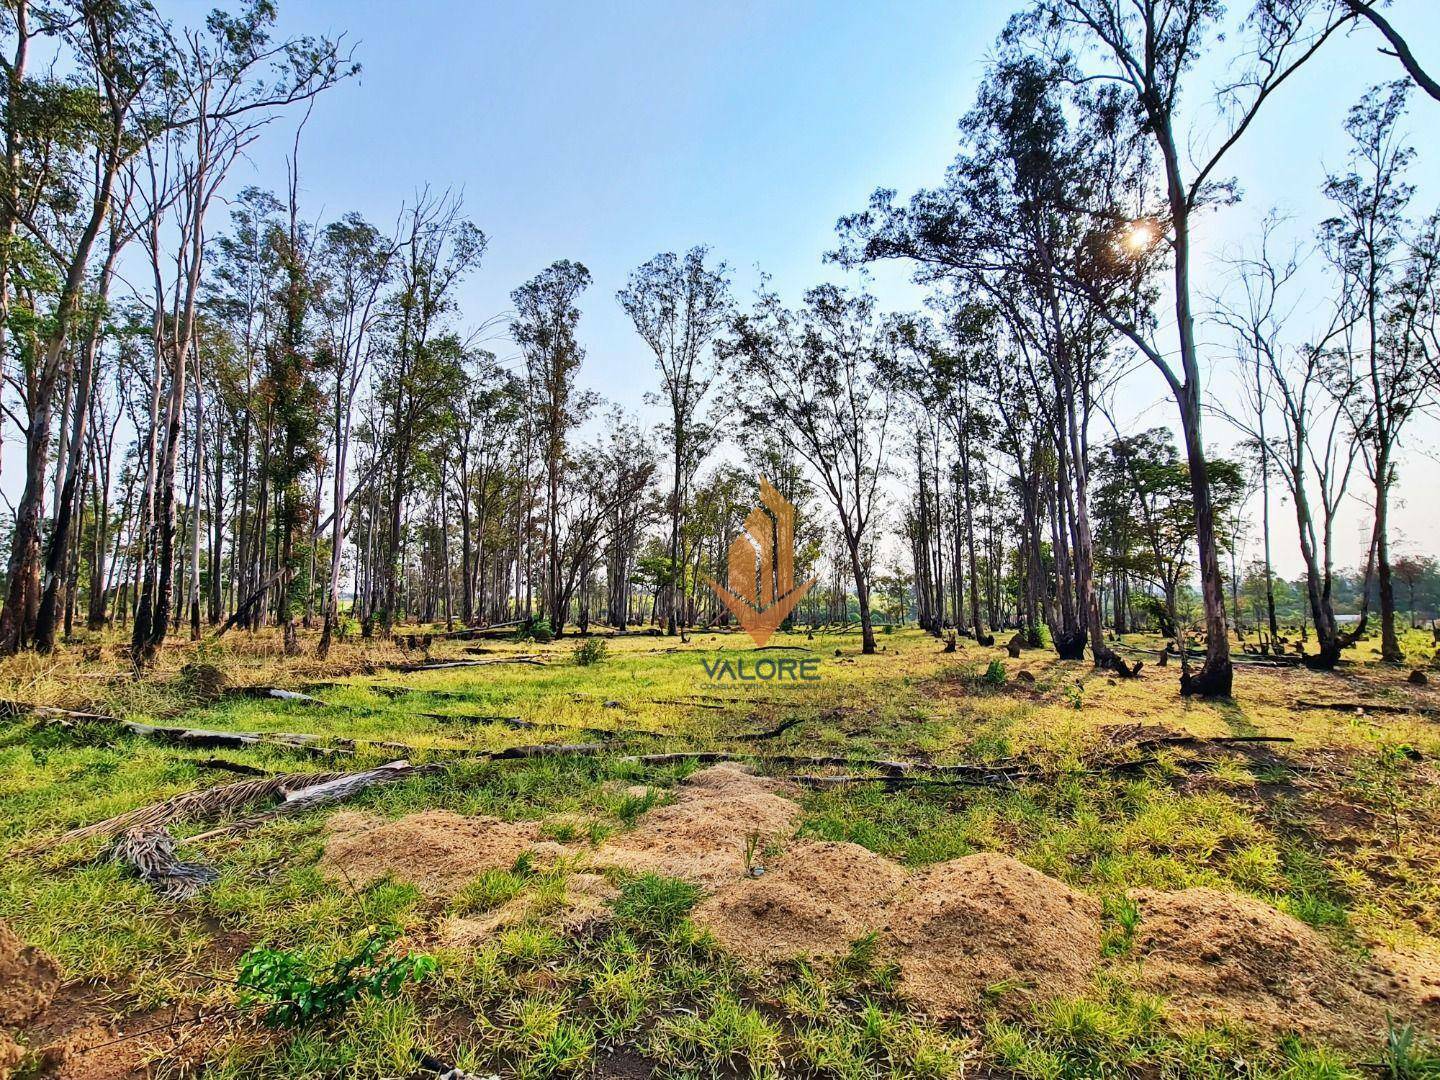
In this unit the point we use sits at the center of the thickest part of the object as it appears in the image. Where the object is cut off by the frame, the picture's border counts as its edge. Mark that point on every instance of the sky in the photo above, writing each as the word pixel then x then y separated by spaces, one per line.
pixel 606 132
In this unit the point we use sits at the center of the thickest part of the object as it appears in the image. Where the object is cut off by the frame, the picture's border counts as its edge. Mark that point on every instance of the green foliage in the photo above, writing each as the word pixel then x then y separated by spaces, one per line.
pixel 1406 1057
pixel 1122 918
pixel 294 994
pixel 995 674
pixel 592 650
pixel 537 630
pixel 655 903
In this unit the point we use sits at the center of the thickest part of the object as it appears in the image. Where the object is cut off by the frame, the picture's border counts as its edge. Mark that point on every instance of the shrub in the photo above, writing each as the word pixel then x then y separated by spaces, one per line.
pixel 538 630
pixel 295 995
pixel 994 674
pixel 591 651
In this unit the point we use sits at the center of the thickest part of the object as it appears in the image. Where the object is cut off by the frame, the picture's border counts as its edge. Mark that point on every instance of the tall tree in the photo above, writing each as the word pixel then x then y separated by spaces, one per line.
pixel 677 307
pixel 355 268
pixel 68 141
pixel 228 82
pixel 812 376
pixel 1149 48
pixel 1368 242
pixel 546 316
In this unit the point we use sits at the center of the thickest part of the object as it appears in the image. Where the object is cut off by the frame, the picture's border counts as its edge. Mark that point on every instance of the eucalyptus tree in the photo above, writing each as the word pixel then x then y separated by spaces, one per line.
pixel 946 371
pixel 225 84
pixel 678 306
pixel 355 262
pixel 1386 276
pixel 1148 50
pixel 813 376
pixel 546 316
pixel 1310 387
pixel 613 472
pixel 421 373
pixel 485 489
pixel 1008 235
pixel 68 142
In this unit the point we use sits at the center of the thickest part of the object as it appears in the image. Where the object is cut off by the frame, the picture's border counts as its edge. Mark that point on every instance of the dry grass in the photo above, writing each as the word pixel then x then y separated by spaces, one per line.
pixel 1340 829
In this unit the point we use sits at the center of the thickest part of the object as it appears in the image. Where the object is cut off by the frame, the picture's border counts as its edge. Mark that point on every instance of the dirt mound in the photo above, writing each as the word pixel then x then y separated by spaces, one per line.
pixel 988 925
pixel 28 980
pixel 587 901
pixel 11 1054
pixel 1411 981
pixel 814 901
pixel 437 851
pixel 702 837
pixel 1217 955
pixel 732 780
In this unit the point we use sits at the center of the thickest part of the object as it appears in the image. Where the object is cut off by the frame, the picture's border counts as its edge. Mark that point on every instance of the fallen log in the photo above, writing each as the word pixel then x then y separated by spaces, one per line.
pixel 25 708
pixel 275 693
pixel 773 733
pixel 442 665
pixel 992 778
pixel 1208 740
pixel 190 806
pixel 1366 706
pixel 203 737
pixel 519 724
pixel 225 765
pixel 250 601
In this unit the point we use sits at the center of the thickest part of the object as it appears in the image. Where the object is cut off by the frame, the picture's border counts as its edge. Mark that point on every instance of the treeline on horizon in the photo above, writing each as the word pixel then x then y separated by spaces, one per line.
pixel 260 417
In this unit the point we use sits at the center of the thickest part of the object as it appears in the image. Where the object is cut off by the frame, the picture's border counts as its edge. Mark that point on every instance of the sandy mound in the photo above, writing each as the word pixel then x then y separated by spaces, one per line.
pixel 733 780
pixel 28 980
pixel 587 901
pixel 11 1054
pixel 702 836
pixel 1411 981
pixel 814 901
pixel 437 851
pixel 987 922
pixel 1220 955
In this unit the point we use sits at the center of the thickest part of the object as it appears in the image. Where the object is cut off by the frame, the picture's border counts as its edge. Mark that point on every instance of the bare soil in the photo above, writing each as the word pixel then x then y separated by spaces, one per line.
pixel 987 926
pixel 815 901
pixel 703 835
pixel 436 851
pixel 1217 955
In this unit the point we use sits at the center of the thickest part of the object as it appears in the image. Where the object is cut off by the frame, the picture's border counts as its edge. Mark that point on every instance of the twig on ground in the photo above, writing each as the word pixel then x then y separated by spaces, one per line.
pixel 773 733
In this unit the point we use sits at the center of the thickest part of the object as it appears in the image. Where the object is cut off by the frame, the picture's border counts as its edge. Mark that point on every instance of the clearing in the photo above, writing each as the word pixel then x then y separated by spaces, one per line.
pixel 920 864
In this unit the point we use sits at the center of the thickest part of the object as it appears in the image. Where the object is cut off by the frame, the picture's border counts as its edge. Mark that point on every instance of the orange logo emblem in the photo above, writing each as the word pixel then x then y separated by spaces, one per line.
pixel 762 590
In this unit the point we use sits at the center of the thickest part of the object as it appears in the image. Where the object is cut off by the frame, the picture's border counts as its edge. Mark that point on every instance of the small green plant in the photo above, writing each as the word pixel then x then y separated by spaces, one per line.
pixel 995 674
pixel 629 807
pixel 1122 917
pixel 1075 695
pixel 537 630
pixel 293 994
pixel 655 903
pixel 492 889
pixel 752 846
pixel 591 651
pixel 860 958
pixel 1405 1057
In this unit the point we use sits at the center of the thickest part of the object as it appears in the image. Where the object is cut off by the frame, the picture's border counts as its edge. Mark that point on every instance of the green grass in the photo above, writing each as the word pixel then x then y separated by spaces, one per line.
pixel 540 999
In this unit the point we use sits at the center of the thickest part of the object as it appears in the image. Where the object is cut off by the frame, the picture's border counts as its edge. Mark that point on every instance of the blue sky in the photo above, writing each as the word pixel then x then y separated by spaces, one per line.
pixel 606 132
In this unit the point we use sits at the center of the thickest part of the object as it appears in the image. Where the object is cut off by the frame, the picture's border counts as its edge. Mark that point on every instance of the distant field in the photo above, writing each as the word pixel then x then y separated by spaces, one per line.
pixel 609 920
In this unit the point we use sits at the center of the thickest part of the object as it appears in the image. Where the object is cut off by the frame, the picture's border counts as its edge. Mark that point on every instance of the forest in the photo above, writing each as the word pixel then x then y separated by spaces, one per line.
pixel 1092 693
